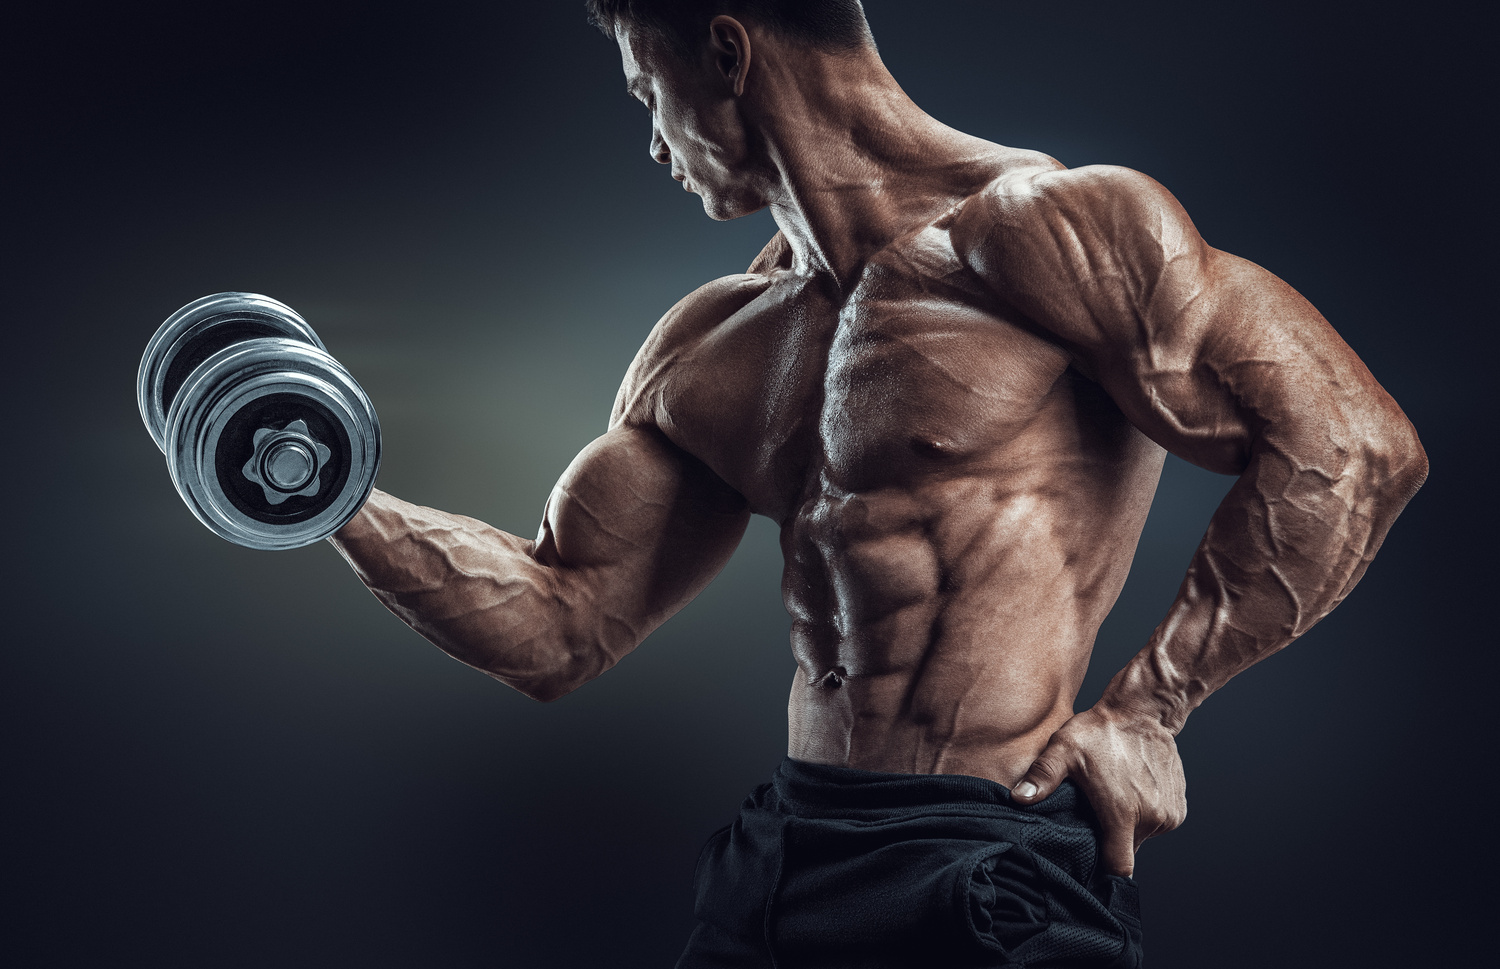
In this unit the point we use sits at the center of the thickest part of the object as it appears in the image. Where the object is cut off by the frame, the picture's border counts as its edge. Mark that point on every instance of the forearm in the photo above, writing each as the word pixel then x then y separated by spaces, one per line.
pixel 474 591
pixel 1288 543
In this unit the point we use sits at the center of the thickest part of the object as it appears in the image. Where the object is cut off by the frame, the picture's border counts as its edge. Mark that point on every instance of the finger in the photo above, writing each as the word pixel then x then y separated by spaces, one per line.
pixel 1117 847
pixel 1041 778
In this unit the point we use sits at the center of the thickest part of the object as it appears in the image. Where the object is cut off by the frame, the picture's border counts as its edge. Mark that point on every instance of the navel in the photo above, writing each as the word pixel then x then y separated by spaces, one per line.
pixel 934 447
pixel 834 678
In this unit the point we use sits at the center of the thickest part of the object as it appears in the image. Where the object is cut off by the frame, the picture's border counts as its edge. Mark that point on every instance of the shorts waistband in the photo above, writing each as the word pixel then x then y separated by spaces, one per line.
pixel 821 790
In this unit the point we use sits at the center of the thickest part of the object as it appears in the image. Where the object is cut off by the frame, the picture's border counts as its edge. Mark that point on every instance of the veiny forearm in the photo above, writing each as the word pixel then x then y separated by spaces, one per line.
pixel 476 592
pixel 1287 544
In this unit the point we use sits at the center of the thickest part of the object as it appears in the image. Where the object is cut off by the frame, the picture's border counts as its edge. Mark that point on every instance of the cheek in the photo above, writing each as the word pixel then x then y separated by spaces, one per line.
pixel 699 132
pixel 718 136
pixel 675 129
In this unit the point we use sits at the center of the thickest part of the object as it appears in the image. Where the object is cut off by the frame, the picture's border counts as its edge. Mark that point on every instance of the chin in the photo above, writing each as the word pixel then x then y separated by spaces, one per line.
pixel 726 207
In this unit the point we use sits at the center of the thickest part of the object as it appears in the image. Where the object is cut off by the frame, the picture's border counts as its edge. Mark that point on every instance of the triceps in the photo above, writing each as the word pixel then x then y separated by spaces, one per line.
pixel 1260 385
pixel 1286 545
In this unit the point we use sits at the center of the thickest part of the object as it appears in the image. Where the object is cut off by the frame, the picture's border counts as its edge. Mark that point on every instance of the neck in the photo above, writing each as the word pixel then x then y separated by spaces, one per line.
pixel 851 160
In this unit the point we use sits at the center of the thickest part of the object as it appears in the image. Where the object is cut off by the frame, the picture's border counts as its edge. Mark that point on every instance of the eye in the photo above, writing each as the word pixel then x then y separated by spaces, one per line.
pixel 643 94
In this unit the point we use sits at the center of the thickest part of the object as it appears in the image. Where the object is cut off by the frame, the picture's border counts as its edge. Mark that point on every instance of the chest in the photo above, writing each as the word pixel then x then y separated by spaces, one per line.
pixel 916 372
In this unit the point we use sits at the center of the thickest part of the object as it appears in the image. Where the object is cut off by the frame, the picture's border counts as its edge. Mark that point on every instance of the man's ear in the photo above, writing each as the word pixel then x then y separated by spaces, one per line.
pixel 730 43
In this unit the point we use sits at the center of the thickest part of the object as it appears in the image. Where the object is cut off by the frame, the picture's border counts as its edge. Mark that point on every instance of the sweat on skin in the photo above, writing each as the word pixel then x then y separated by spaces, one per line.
pixel 951 380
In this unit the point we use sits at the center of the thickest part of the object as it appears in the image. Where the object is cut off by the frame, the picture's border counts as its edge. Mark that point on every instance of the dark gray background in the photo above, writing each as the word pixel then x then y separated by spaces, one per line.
pixel 219 757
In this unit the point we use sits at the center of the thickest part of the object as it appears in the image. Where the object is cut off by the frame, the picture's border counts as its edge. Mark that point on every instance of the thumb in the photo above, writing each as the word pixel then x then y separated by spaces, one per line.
pixel 1042 778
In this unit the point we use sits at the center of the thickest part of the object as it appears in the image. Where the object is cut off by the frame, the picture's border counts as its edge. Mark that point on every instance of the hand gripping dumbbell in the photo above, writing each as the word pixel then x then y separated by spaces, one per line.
pixel 268 439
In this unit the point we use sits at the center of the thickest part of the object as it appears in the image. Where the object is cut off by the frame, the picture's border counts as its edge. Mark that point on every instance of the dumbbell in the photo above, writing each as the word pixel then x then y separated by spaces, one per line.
pixel 268 439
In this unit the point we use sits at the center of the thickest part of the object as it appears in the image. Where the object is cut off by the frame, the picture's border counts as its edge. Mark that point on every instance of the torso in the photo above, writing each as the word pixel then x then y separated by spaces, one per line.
pixel 958 505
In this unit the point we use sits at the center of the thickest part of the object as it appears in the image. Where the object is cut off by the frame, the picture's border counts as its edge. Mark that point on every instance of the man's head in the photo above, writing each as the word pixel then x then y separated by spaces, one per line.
pixel 682 25
pixel 688 61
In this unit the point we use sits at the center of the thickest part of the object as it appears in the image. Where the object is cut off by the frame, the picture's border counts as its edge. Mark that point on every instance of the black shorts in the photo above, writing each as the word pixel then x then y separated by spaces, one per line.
pixel 833 868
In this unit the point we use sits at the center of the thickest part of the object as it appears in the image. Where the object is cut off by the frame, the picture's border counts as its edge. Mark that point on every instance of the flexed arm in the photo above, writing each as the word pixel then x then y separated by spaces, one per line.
pixel 634 529
pixel 1228 367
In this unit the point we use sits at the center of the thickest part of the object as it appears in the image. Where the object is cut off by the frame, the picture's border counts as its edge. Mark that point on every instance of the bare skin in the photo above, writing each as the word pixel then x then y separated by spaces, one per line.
pixel 951 380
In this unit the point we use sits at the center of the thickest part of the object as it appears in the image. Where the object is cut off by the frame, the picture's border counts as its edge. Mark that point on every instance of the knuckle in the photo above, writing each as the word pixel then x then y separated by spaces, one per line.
pixel 1159 824
pixel 1045 769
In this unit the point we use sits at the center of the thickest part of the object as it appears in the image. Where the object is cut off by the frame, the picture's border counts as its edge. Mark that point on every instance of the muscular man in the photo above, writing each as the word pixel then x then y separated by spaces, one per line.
pixel 951 380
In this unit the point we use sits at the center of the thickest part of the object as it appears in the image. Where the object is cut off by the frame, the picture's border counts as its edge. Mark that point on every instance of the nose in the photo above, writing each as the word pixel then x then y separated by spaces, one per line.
pixel 659 147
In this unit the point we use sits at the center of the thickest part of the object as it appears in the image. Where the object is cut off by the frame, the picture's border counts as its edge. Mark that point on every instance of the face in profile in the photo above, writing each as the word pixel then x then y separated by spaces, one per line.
pixel 696 125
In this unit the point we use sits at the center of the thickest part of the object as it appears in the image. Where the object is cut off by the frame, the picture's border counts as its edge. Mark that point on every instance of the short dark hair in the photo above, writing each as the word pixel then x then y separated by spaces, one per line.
pixel 828 25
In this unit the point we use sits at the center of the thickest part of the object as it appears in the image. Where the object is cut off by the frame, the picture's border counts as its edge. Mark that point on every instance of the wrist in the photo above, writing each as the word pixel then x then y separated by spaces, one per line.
pixel 362 525
pixel 1149 690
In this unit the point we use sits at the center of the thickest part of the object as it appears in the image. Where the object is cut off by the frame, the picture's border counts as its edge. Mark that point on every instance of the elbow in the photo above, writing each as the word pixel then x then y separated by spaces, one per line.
pixel 1397 460
pixel 559 682
pixel 548 692
pixel 541 687
pixel 566 648
pixel 568 668
pixel 1416 468
pixel 580 652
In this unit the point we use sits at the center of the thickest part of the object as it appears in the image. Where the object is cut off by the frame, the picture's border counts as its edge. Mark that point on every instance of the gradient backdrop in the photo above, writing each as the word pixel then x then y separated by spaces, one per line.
pixel 220 757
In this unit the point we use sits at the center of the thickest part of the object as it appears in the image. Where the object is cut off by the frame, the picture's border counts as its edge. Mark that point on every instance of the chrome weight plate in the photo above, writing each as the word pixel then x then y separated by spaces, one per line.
pixel 198 331
pixel 272 444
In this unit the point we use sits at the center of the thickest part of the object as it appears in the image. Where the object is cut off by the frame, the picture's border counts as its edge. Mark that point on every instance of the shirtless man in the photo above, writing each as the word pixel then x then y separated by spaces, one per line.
pixel 951 379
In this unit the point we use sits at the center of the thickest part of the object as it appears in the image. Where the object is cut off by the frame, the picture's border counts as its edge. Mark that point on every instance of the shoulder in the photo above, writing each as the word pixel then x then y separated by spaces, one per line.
pixel 676 337
pixel 1078 219
pixel 1027 193
pixel 1084 253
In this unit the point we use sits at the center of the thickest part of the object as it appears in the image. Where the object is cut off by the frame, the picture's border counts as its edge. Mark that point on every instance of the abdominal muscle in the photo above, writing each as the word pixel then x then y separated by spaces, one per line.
pixel 945 630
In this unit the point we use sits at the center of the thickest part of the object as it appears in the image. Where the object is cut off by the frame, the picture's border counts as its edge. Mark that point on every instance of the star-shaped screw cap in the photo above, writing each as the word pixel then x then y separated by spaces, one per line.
pixel 286 462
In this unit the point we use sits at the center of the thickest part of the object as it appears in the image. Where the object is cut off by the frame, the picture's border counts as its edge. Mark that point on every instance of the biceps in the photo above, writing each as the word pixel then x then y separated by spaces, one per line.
pixel 636 527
